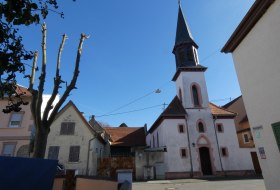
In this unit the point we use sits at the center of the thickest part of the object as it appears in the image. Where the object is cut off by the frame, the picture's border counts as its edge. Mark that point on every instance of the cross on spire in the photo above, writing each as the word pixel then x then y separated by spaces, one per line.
pixel 179 2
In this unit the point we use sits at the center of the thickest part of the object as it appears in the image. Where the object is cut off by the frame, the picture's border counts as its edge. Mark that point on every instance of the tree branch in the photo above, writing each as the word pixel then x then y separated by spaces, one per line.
pixel 32 78
pixel 73 81
pixel 57 81
pixel 42 76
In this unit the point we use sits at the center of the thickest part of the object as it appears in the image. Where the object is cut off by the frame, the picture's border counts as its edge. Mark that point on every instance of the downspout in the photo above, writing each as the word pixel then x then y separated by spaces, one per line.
pixel 88 152
pixel 190 152
pixel 214 122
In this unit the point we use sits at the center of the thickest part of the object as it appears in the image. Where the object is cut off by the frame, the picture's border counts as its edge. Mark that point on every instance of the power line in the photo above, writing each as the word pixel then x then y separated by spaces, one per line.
pixel 141 109
pixel 220 100
pixel 157 91
pixel 154 91
pixel 136 110
pixel 210 55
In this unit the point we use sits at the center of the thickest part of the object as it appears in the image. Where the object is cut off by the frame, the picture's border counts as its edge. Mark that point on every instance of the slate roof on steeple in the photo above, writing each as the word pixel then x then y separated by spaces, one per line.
pixel 183 33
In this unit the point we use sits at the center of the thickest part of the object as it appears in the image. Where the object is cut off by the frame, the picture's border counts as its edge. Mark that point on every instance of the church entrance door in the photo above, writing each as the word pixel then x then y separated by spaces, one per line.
pixel 205 161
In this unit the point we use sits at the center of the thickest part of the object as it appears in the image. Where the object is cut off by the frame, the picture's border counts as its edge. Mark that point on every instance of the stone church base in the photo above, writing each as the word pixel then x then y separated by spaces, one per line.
pixel 183 175
pixel 236 173
pixel 180 175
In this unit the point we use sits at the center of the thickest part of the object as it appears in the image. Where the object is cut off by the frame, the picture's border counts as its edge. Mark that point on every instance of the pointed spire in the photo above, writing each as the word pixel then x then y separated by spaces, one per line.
pixel 183 34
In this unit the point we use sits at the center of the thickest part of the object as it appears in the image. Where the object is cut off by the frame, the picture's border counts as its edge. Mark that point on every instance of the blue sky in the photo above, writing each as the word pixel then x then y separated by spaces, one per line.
pixel 129 53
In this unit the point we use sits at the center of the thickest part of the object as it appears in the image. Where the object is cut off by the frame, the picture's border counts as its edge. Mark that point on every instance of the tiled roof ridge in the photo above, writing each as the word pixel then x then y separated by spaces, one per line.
pixel 224 109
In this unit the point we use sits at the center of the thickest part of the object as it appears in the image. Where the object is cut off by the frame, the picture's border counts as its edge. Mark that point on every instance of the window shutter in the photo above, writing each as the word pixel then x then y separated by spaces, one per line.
pixel 67 128
pixel 276 130
pixel 74 153
pixel 53 152
pixel 71 128
pixel 63 128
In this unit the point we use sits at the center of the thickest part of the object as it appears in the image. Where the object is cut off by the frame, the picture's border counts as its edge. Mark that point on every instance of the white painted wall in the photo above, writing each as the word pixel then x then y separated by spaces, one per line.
pixel 185 80
pixel 238 158
pixel 257 64
pixel 81 137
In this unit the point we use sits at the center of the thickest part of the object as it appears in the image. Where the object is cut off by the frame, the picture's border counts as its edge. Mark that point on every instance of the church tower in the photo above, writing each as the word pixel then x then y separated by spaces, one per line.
pixel 192 92
pixel 193 137
pixel 189 76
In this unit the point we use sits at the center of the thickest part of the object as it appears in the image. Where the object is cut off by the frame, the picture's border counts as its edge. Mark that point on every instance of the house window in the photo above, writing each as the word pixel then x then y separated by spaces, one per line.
pixel 74 154
pixel 246 138
pixel 181 128
pixel 276 131
pixel 8 149
pixel 195 96
pixel 224 151
pixel 220 128
pixel 201 128
pixel 16 119
pixel 154 145
pixel 53 152
pixel 157 140
pixel 67 128
pixel 183 152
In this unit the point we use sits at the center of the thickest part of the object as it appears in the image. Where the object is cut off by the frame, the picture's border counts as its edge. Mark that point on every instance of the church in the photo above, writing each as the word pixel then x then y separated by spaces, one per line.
pixel 192 136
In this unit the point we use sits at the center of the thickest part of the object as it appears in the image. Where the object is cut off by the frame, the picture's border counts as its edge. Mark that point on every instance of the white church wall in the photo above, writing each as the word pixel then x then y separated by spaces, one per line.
pixel 185 81
pixel 237 158
pixel 175 141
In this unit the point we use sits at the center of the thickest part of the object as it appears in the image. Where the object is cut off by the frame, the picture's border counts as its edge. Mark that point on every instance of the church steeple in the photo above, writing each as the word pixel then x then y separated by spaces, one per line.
pixel 183 33
pixel 185 48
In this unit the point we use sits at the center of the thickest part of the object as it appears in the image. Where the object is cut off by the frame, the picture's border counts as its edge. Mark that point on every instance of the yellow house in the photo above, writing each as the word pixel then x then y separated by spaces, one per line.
pixel 243 130
pixel 74 142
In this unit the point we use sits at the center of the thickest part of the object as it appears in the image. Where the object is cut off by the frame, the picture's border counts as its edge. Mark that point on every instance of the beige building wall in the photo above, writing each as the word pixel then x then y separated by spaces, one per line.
pixel 257 63
pixel 245 129
pixel 83 137
pixel 19 136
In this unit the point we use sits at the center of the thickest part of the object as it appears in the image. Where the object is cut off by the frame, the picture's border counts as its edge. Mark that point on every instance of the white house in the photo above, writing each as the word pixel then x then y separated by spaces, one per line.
pixel 255 47
pixel 196 137
pixel 74 142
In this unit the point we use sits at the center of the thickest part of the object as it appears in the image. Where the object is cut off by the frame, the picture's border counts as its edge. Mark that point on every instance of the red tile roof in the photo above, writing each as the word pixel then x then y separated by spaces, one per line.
pixel 127 136
pixel 21 89
pixel 220 112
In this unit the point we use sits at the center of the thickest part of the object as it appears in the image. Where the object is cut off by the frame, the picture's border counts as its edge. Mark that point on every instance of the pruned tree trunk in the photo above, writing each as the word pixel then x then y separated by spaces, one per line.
pixel 44 120
pixel 41 137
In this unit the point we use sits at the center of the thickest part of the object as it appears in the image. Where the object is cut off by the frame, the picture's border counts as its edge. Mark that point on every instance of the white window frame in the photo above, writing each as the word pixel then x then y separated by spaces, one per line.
pixel 14 144
pixel 14 120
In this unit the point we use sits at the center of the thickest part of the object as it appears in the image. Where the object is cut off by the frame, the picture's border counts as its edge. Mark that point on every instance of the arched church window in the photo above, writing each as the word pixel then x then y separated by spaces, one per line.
pixel 201 128
pixel 195 96
pixel 180 95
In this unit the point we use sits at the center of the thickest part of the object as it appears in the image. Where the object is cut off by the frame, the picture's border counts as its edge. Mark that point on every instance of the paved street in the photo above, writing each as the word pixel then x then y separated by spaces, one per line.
pixel 199 184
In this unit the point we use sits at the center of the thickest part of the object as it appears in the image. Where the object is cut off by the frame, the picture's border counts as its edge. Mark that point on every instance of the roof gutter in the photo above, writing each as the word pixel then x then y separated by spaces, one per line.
pixel 249 21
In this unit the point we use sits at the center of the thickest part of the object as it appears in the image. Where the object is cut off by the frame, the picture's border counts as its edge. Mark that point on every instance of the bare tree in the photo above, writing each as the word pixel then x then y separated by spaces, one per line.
pixel 44 121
